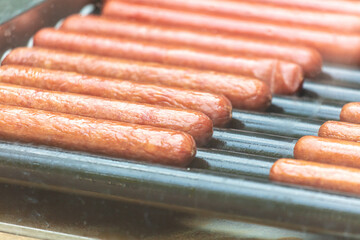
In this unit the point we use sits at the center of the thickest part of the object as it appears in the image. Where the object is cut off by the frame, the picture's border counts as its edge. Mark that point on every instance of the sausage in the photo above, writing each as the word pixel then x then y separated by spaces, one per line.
pixel 309 59
pixel 340 130
pixel 317 175
pixel 197 124
pixel 244 93
pixel 283 77
pixel 339 6
pixel 217 107
pixel 335 47
pixel 251 10
pixel 350 112
pixel 138 142
pixel 327 150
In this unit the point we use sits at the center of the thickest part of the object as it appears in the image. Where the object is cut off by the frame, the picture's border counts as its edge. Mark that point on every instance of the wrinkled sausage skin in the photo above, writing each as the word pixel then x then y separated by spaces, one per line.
pixel 282 77
pixel 217 107
pixel 194 123
pixel 111 138
pixel 327 150
pixel 350 112
pixel 308 58
pixel 335 47
pixel 318 175
pixel 340 130
pixel 245 93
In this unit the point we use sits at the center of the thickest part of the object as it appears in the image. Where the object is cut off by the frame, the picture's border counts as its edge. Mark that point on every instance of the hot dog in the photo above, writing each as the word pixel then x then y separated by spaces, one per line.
pixel 245 93
pixel 350 112
pixel 111 138
pixel 326 150
pixel 217 107
pixel 309 59
pixel 334 47
pixel 318 175
pixel 197 124
pixel 282 77
pixel 340 130
pixel 340 6
pixel 251 10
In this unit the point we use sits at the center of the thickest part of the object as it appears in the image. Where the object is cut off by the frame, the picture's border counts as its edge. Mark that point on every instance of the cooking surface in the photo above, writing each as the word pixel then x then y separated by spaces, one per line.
pixel 104 219
pixel 216 197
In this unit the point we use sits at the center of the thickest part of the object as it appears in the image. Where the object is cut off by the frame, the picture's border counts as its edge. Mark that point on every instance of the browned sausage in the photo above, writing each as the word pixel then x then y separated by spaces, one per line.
pixel 340 6
pixel 283 77
pixel 244 93
pixel 327 150
pixel 317 175
pixel 251 10
pixel 350 112
pixel 217 107
pixel 340 130
pixel 309 59
pixel 194 123
pixel 112 138
pixel 335 47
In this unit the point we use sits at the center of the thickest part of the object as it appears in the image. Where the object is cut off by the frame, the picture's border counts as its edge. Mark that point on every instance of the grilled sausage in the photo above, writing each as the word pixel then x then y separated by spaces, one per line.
pixel 340 130
pixel 111 138
pixel 317 175
pixel 309 59
pixel 334 47
pixel 283 77
pixel 326 150
pixel 217 107
pixel 194 123
pixel 251 10
pixel 244 93
pixel 350 112
pixel 339 6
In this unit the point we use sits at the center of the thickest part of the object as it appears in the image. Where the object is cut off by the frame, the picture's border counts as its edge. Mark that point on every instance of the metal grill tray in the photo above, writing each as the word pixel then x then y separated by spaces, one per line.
pixel 229 177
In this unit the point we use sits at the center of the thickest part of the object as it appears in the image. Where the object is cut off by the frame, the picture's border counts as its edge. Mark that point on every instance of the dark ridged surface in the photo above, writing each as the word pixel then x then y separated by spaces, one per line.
pixel 306 107
pixel 253 143
pixel 184 189
pixel 273 123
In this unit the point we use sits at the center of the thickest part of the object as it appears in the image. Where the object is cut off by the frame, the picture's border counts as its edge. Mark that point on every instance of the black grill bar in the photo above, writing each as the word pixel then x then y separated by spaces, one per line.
pixel 253 143
pixel 331 89
pixel 341 74
pixel 306 107
pixel 259 201
pixel 240 164
pixel 272 123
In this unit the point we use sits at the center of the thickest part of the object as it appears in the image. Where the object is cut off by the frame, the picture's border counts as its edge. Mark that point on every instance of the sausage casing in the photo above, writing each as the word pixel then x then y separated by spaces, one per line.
pixel 339 6
pixel 334 46
pixel 309 59
pixel 318 175
pixel 340 130
pixel 350 112
pixel 245 93
pixel 217 107
pixel 194 123
pixel 111 138
pixel 327 150
pixel 282 77
pixel 271 13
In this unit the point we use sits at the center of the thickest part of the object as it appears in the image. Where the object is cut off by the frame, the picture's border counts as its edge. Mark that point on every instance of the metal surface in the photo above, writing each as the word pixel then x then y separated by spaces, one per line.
pixel 181 189
pixel 18 26
pixel 272 123
pixel 306 107
pixel 331 89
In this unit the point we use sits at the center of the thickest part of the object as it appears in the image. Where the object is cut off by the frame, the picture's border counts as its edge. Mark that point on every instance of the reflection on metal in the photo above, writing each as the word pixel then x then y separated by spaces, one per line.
pixel 38 233
pixel 17 28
